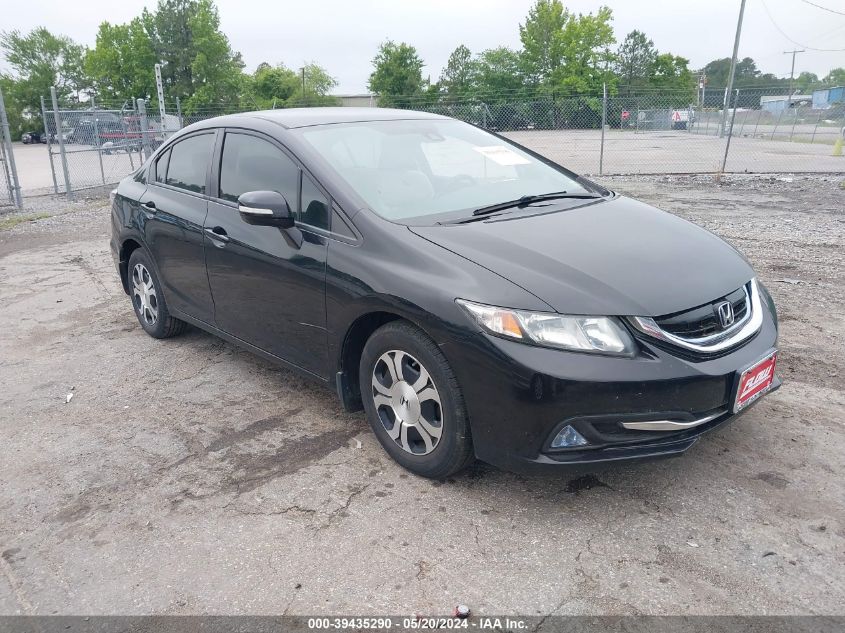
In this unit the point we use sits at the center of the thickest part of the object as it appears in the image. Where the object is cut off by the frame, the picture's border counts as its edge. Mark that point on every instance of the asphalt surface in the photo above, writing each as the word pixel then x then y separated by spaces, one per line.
pixel 187 476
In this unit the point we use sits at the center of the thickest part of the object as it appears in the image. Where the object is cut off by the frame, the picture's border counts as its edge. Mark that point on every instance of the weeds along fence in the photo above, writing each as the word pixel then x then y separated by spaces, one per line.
pixel 656 132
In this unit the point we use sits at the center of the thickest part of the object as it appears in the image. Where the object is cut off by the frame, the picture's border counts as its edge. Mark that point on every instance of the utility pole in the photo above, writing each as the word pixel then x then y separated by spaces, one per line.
pixel 730 86
pixel 303 82
pixel 791 72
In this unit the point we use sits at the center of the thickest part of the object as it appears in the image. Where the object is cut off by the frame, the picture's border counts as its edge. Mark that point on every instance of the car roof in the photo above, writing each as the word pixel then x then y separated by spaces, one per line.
pixel 305 117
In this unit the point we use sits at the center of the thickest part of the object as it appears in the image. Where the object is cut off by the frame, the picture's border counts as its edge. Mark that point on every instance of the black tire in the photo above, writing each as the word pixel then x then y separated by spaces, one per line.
pixel 453 451
pixel 164 325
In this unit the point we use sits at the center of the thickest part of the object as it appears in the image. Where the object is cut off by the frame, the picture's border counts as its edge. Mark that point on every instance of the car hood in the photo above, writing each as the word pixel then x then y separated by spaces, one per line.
pixel 617 257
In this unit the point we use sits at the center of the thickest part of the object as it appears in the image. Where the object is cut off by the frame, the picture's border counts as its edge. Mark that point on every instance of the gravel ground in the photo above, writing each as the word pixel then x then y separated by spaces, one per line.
pixel 187 476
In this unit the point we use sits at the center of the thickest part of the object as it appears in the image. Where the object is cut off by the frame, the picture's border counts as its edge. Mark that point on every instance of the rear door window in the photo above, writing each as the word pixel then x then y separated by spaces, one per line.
pixel 189 160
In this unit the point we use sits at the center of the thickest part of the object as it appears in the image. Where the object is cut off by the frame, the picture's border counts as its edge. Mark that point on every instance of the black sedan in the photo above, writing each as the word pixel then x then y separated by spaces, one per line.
pixel 474 298
pixel 33 137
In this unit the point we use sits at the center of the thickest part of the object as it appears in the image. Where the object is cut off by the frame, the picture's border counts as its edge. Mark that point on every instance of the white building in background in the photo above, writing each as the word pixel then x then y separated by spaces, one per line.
pixel 779 103
pixel 358 100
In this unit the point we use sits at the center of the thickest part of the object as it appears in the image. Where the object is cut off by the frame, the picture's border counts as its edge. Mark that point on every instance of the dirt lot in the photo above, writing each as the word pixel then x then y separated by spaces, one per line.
pixel 187 476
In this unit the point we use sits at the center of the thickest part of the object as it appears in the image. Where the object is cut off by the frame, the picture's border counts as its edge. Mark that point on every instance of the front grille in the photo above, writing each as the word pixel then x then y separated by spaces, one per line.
pixel 703 320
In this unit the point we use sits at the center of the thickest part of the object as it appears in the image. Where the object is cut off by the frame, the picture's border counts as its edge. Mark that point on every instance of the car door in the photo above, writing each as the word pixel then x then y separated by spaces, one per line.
pixel 173 210
pixel 268 283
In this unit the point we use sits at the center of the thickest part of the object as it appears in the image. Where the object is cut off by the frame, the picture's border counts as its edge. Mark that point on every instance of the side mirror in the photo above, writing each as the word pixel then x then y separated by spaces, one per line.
pixel 265 208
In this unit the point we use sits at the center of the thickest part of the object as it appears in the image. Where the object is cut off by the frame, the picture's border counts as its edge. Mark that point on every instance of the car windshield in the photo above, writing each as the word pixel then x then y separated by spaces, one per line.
pixel 419 168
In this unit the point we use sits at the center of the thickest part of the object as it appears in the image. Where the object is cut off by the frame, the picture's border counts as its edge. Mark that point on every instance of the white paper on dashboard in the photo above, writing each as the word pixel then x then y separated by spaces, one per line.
pixel 501 155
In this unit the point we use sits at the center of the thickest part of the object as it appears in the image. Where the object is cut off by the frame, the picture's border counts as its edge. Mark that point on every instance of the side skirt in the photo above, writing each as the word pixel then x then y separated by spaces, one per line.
pixel 249 347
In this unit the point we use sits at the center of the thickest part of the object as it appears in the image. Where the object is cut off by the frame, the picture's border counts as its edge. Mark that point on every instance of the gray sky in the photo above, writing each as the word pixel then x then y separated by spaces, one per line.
pixel 342 36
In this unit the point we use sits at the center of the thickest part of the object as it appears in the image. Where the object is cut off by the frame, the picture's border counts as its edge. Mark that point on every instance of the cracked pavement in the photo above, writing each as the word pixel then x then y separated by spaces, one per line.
pixel 187 476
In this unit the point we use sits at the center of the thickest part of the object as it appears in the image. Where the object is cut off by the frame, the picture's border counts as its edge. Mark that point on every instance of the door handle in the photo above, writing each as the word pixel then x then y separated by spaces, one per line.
pixel 218 234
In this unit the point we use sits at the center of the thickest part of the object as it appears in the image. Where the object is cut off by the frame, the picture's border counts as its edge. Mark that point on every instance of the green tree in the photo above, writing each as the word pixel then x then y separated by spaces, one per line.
pixel 635 59
pixel 806 81
pixel 746 75
pixel 672 76
pixel 542 44
pixel 312 87
pixel 216 70
pixel 499 75
pixel 273 85
pixel 198 64
pixel 588 58
pixel 121 65
pixel 39 60
pixel 18 123
pixel 836 77
pixel 397 75
pixel 460 77
pixel 280 87
pixel 565 51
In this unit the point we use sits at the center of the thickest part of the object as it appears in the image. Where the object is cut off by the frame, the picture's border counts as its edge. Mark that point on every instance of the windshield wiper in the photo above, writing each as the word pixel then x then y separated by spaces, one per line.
pixel 524 201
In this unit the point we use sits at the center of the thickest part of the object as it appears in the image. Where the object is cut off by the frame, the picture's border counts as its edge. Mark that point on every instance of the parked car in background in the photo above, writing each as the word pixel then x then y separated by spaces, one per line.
pixel 473 297
pixel 88 130
pixel 33 137
pixel 682 119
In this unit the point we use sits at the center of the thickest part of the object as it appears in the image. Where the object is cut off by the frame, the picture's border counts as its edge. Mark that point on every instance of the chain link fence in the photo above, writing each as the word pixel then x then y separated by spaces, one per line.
pixel 646 133
pixel 93 144
pixel 10 192
pixel 664 132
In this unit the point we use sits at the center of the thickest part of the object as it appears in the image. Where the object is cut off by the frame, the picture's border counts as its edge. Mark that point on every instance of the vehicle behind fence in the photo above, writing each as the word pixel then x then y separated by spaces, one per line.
pixel 655 132
pixel 91 145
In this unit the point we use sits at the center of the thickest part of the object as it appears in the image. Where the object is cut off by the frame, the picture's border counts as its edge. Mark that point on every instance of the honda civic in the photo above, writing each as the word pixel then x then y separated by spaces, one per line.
pixel 474 298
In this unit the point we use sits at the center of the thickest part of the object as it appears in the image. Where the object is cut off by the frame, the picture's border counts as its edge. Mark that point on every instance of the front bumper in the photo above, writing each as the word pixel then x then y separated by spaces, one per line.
pixel 518 397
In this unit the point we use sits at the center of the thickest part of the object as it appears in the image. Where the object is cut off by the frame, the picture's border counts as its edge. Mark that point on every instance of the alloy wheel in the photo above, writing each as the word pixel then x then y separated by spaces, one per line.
pixel 144 294
pixel 407 402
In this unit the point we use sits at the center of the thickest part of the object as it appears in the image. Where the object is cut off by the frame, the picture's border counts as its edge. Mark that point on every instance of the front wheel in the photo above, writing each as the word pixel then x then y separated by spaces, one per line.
pixel 413 401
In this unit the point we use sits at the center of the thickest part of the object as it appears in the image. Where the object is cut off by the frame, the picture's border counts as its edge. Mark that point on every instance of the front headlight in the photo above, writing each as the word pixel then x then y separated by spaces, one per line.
pixel 579 333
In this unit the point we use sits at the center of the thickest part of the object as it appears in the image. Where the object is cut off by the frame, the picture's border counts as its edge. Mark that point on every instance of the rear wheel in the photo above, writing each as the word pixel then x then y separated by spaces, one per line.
pixel 413 401
pixel 148 299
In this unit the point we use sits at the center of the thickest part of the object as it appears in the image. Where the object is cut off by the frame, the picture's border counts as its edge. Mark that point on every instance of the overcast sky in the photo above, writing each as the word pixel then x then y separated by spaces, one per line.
pixel 342 36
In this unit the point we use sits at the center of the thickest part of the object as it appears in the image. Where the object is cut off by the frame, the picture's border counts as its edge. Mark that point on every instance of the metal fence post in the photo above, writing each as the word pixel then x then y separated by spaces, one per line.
pixel 637 126
pixel 97 141
pixel 179 113
pixel 818 120
pixel 794 121
pixel 58 119
pixel 603 125
pixel 127 143
pixel 730 134
pixel 777 123
pixel 744 119
pixel 145 128
pixel 49 146
pixel 10 156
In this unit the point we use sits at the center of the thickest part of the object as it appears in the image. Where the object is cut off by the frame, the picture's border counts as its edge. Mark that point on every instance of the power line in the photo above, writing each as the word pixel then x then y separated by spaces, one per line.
pixel 818 6
pixel 780 30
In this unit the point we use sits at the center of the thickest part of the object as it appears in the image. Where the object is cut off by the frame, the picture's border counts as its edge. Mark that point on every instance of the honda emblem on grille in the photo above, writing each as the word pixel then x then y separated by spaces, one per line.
pixel 725 310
